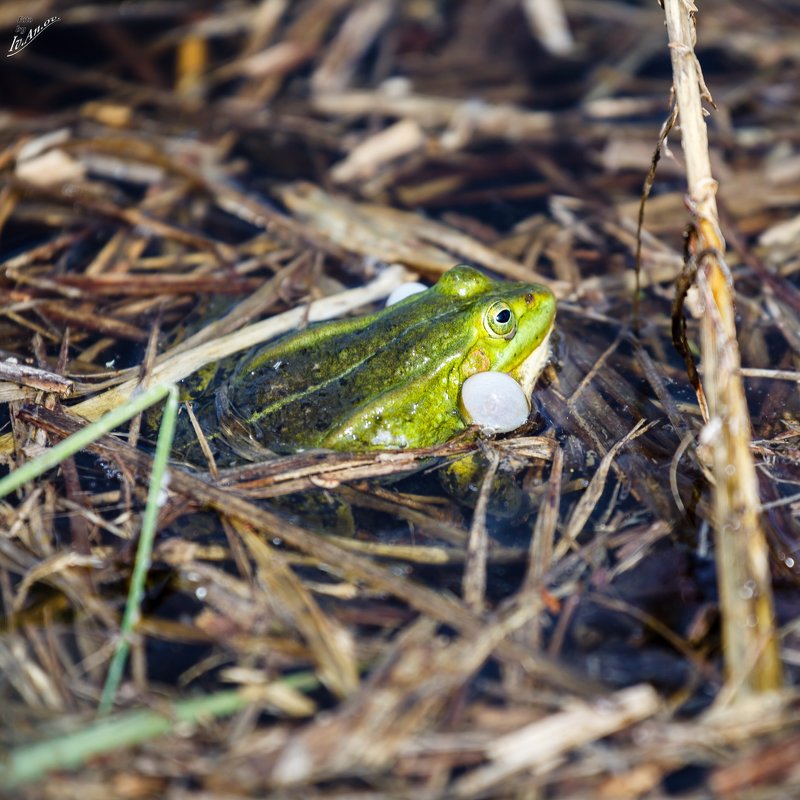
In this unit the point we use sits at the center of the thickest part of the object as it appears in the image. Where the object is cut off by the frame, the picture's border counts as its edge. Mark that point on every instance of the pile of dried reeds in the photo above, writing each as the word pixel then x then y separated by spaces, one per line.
pixel 634 634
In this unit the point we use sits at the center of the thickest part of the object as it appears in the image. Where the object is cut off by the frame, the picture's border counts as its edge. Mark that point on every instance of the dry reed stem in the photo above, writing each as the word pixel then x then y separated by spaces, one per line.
pixel 474 583
pixel 540 746
pixel 750 647
pixel 549 25
pixel 330 645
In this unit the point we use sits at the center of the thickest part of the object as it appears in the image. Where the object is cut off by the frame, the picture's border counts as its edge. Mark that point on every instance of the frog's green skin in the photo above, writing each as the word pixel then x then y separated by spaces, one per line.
pixel 391 379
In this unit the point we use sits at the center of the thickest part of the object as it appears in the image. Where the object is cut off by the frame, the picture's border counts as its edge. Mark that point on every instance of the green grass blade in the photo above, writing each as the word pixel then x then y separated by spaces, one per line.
pixel 158 483
pixel 72 749
pixel 82 439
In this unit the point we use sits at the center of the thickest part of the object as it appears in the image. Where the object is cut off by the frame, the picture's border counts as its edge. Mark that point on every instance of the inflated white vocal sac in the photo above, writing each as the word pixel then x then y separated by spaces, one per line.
pixel 494 401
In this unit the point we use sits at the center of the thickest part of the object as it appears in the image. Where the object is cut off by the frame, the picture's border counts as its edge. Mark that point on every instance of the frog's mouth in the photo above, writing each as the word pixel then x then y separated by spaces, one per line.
pixel 529 370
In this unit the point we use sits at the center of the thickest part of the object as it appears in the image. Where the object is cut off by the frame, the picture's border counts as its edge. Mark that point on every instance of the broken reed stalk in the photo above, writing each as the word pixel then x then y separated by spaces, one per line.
pixel 748 626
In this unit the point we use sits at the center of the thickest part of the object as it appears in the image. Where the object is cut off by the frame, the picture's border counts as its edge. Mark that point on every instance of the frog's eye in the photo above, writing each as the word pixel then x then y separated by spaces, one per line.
pixel 500 320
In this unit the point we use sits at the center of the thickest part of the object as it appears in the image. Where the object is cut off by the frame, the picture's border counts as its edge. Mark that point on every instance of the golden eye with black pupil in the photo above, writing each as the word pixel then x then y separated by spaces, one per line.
pixel 500 320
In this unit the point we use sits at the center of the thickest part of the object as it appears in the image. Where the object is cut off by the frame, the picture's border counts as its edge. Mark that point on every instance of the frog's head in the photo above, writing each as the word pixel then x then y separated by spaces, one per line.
pixel 510 323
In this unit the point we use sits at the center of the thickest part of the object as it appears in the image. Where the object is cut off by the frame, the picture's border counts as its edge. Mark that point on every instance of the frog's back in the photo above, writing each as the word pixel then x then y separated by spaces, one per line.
pixel 306 390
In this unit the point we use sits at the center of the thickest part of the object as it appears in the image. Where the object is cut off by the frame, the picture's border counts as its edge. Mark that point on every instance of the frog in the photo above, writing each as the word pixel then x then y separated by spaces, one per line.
pixel 387 380
pixel 391 379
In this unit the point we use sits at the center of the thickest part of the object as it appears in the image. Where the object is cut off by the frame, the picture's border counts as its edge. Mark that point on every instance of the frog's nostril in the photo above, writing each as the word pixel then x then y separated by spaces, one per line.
pixel 528 298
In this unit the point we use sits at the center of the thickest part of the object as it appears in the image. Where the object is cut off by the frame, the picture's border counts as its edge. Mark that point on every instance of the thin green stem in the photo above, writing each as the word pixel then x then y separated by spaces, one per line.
pixel 159 480
pixel 71 749
pixel 53 456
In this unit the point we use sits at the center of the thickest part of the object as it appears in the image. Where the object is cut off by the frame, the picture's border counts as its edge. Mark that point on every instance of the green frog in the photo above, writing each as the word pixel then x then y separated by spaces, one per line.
pixel 391 379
